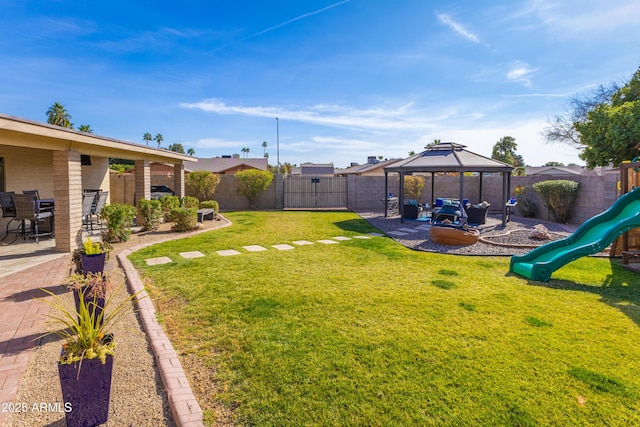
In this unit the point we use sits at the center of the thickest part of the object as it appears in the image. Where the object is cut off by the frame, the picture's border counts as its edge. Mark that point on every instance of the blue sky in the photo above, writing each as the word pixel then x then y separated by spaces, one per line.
pixel 346 79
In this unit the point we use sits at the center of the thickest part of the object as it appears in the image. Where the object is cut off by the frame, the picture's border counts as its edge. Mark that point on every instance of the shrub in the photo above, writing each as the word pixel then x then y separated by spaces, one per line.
pixel 252 183
pixel 151 213
pixel 559 196
pixel 185 219
pixel 168 204
pixel 190 202
pixel 119 218
pixel 210 204
pixel 201 184
pixel 526 206
pixel 413 186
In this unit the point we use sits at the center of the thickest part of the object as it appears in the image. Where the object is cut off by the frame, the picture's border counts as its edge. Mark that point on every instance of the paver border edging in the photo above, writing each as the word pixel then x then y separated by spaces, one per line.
pixel 185 409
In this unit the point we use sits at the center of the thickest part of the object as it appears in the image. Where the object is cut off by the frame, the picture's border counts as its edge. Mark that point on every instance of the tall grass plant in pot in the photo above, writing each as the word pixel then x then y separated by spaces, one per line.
pixel 85 365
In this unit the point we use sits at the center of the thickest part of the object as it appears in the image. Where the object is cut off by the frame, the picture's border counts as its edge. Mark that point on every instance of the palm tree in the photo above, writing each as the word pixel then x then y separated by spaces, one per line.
pixel 85 128
pixel 147 137
pixel 264 146
pixel 58 115
pixel 244 150
pixel 158 138
pixel 191 151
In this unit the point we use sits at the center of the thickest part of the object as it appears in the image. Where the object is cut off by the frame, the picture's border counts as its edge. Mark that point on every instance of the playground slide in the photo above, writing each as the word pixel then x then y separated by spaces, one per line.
pixel 591 237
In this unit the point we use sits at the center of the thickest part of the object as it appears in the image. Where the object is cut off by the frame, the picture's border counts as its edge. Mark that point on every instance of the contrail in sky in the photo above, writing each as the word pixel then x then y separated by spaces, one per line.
pixel 297 18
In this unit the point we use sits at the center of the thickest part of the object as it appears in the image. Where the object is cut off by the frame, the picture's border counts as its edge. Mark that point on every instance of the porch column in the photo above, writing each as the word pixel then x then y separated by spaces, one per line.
pixel 143 181
pixel 67 193
pixel 178 180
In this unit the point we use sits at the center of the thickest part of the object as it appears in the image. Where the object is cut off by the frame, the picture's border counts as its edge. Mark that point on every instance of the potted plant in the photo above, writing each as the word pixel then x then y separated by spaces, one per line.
pixel 91 257
pixel 85 365
pixel 93 287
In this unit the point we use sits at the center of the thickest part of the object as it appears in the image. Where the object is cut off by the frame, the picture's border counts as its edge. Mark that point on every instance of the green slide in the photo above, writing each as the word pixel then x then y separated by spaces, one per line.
pixel 591 237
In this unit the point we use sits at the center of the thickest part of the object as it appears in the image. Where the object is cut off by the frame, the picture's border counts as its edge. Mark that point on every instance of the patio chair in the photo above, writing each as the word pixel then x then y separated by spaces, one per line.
pixel 99 202
pixel 8 209
pixel 32 192
pixel 26 209
pixel 89 200
pixel 411 211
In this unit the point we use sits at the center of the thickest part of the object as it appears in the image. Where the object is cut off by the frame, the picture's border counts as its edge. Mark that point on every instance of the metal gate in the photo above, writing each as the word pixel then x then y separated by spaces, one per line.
pixel 315 192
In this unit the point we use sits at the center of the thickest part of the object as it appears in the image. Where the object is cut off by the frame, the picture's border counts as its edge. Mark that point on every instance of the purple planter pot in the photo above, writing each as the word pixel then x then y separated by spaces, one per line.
pixel 86 391
pixel 93 263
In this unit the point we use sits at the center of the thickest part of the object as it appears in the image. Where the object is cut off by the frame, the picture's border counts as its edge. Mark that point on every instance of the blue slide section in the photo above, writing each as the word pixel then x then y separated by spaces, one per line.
pixel 591 237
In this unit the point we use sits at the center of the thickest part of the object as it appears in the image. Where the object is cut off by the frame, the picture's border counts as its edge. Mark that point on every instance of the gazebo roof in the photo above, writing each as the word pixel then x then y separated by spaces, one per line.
pixel 448 157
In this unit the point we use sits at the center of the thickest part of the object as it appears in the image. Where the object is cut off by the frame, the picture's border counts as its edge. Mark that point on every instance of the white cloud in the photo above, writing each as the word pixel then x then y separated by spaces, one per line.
pixel 373 119
pixel 570 19
pixel 457 27
pixel 521 73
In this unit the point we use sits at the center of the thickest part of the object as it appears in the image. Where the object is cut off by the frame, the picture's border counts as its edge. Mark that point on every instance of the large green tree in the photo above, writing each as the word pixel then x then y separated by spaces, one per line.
pixel 58 115
pixel 505 151
pixel 604 125
pixel 612 129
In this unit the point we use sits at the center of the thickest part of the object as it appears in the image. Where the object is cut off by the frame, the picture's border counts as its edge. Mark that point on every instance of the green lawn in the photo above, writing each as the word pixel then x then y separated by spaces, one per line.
pixel 367 332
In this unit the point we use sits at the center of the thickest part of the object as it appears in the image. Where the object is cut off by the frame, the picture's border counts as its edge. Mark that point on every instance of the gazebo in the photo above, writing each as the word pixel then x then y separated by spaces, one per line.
pixel 450 157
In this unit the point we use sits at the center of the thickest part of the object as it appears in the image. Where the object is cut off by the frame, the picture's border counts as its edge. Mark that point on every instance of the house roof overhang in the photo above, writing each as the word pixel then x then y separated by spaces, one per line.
pixel 29 134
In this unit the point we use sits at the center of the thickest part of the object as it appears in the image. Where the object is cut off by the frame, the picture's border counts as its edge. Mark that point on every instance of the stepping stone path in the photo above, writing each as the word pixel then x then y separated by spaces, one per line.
pixel 158 261
pixel 254 248
pixel 192 254
pixel 286 247
pixel 302 242
pixel 228 252
pixel 283 247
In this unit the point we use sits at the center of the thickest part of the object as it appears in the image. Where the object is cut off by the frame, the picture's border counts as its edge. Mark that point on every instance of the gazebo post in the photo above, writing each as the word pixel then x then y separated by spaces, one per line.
pixel 480 190
pixel 505 195
pixel 401 198
pixel 433 188
pixel 461 188
pixel 386 192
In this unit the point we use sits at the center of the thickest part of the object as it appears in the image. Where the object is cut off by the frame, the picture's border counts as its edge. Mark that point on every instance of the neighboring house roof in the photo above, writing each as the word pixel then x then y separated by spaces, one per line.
pixel 553 170
pixel 317 169
pixel 222 164
pixel 45 136
pixel 367 169
pixel 448 157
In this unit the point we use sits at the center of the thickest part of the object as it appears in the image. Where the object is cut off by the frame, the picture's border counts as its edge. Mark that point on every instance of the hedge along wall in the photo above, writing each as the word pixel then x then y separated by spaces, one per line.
pixel 365 193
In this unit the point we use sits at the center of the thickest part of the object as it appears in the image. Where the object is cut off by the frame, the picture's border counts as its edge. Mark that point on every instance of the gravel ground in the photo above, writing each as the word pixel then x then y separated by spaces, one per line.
pixel 514 234
pixel 138 397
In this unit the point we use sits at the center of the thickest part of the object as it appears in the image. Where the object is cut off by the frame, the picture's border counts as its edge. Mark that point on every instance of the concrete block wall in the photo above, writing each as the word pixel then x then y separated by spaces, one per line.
pixel 365 193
